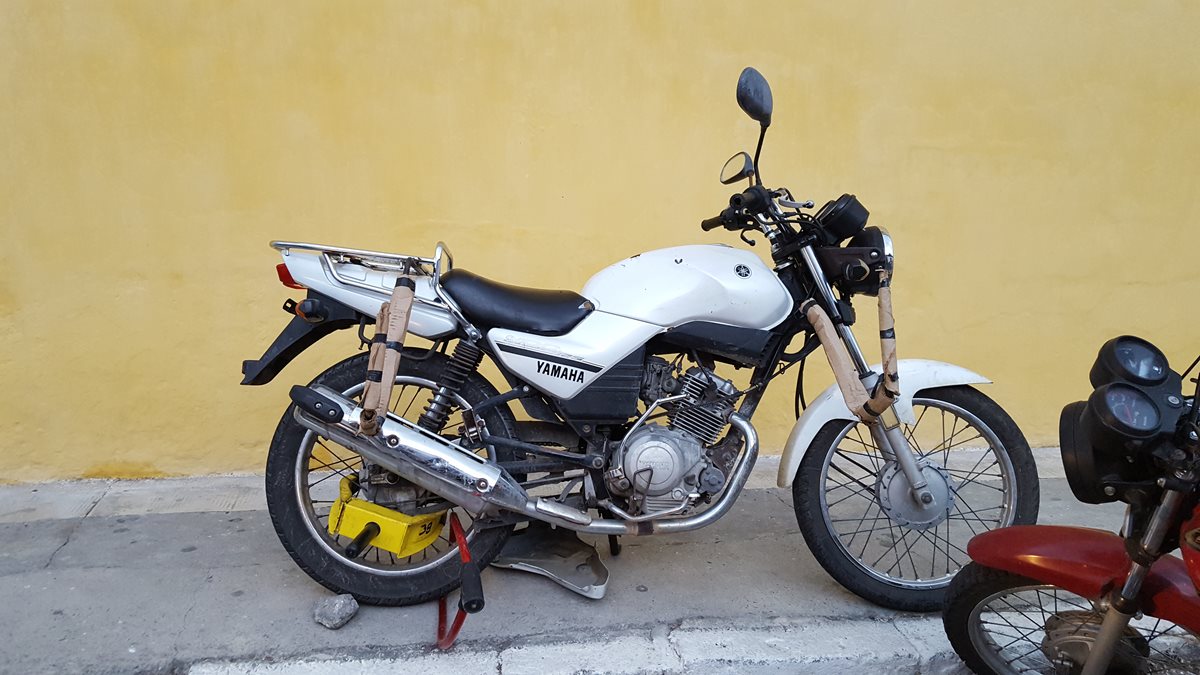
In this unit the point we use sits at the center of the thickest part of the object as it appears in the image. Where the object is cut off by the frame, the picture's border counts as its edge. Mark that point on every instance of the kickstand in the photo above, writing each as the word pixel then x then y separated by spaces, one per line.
pixel 470 596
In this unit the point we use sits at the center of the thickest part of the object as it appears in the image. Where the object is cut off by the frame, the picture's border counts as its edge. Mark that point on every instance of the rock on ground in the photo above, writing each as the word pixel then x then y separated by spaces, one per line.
pixel 335 612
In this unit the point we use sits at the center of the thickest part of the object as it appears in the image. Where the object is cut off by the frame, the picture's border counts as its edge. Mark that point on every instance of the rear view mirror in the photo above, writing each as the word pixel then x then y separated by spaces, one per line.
pixel 739 167
pixel 754 96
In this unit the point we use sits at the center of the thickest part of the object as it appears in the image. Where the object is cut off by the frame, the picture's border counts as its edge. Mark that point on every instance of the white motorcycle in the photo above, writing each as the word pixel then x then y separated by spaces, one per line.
pixel 635 427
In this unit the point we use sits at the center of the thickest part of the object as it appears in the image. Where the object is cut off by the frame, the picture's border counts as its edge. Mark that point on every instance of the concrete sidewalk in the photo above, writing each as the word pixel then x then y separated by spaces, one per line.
pixel 186 575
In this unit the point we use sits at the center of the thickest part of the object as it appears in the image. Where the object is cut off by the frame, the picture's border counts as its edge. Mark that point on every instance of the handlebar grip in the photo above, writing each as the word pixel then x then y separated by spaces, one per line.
pixel 712 223
pixel 755 199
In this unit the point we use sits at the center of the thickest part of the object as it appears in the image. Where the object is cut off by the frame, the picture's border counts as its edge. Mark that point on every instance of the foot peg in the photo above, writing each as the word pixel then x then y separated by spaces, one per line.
pixel 317 405
pixel 558 554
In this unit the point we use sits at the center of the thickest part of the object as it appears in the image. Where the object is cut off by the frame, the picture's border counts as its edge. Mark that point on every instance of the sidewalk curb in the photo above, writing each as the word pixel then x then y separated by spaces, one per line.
pixel 905 644
pixel 70 500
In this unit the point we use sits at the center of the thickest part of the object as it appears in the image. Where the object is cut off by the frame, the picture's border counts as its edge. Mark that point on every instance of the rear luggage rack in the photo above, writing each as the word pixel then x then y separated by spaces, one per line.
pixel 387 262
pixel 410 265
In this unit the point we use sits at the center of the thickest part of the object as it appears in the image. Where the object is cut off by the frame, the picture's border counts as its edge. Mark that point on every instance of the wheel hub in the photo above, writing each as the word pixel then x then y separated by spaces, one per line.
pixel 896 497
pixel 1070 636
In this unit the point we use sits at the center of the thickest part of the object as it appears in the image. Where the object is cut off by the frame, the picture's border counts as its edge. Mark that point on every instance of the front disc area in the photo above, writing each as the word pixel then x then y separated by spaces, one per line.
pixel 897 501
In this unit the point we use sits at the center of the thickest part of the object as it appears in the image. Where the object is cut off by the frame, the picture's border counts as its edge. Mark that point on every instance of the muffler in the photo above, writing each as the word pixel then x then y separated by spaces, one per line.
pixel 479 486
pixel 425 458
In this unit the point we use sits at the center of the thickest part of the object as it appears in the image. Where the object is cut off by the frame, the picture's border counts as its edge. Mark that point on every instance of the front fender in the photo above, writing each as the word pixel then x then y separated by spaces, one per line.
pixel 915 375
pixel 1089 563
pixel 1082 560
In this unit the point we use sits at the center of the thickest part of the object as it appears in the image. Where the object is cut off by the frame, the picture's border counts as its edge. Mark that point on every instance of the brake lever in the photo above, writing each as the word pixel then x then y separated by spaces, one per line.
pixel 807 204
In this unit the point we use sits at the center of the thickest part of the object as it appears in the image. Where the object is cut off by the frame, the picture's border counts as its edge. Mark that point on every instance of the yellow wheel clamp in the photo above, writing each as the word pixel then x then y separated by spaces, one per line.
pixel 368 523
pixel 364 522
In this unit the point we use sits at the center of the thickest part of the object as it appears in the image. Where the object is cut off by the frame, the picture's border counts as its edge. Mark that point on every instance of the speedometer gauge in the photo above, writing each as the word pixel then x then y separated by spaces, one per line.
pixel 1140 361
pixel 1126 410
pixel 1131 407
pixel 1131 359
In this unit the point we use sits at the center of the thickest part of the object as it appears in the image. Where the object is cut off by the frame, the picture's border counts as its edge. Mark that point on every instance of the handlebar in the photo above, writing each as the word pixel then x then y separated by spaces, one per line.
pixel 743 206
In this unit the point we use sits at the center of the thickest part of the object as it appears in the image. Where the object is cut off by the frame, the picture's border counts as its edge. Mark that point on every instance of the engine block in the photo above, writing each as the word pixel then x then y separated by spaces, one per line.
pixel 661 467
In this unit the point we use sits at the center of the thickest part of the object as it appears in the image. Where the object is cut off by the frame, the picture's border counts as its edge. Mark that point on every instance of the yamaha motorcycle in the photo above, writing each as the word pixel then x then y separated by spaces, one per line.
pixel 637 423
pixel 1049 599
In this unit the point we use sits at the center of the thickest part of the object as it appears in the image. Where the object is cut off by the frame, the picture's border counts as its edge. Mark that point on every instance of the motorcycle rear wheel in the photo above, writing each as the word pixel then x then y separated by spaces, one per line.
pixel 304 469
pixel 1001 623
pixel 860 538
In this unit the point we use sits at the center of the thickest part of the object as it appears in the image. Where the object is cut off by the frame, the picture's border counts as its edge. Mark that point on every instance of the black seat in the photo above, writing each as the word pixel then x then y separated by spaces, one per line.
pixel 490 304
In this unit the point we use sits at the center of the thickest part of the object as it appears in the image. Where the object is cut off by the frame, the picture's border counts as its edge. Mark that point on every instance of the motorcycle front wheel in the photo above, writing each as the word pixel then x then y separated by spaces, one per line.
pixel 857 516
pixel 1001 623
pixel 304 471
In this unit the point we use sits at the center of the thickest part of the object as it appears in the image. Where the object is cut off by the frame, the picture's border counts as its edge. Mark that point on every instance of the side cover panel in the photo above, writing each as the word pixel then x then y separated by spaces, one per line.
pixel 564 365
pixel 709 282
pixel 915 375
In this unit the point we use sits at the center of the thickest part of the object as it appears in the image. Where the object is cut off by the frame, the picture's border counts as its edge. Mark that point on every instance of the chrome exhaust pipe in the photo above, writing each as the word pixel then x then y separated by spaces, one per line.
pixel 478 485
pixel 425 458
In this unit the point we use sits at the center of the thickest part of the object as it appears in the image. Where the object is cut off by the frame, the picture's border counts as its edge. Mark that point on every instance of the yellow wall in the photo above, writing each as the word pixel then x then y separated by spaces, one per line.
pixel 1036 163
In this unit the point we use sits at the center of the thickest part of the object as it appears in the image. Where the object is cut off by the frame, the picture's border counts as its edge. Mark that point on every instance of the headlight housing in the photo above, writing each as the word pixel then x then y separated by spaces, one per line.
pixel 855 267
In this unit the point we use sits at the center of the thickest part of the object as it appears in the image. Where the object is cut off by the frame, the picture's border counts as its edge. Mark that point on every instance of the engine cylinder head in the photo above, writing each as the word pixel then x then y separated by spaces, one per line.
pixel 706 422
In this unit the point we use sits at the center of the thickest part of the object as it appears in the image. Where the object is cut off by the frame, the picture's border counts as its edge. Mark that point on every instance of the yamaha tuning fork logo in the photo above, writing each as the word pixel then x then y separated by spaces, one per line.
pixel 742 271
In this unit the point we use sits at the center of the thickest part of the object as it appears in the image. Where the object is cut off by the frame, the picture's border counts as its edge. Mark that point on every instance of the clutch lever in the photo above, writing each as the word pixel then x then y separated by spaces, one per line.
pixel 743 237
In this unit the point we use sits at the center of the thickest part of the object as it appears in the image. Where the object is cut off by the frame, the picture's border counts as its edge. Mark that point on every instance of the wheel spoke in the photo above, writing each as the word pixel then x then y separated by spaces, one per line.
pixel 320 461
pixel 979 475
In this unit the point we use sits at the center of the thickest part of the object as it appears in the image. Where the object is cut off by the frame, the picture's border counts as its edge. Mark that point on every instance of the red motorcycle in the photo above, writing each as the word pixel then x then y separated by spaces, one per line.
pixel 1050 599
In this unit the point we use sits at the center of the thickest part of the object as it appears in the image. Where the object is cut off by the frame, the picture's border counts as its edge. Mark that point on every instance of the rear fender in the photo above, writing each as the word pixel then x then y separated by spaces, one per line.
pixel 1089 563
pixel 297 336
pixel 915 375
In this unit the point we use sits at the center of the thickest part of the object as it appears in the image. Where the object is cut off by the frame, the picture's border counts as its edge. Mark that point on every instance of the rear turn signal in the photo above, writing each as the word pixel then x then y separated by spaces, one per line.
pixel 285 277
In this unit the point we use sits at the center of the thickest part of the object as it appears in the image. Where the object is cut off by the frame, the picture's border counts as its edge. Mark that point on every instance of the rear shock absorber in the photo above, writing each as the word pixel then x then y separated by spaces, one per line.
pixel 463 362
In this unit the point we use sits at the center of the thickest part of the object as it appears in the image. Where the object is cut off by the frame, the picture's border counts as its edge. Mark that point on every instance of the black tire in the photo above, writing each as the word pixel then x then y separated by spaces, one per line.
pixel 990 647
pixel 808 491
pixel 332 570
pixel 974 584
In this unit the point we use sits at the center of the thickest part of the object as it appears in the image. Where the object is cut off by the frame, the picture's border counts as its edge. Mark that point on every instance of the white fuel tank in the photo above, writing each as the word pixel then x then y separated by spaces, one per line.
pixel 703 282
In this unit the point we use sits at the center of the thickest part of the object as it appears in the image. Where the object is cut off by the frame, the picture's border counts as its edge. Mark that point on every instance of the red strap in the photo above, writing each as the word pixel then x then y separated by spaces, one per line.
pixel 457 536
pixel 445 639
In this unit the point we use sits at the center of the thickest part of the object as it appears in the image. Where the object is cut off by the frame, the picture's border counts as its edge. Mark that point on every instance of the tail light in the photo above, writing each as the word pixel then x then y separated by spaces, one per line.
pixel 285 277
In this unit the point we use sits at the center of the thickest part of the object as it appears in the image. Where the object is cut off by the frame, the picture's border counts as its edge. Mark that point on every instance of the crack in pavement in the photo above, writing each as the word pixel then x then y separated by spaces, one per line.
pixel 74 529
pixel 195 600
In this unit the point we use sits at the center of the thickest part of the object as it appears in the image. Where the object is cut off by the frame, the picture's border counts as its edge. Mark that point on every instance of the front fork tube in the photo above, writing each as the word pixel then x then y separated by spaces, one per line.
pixel 856 380
pixel 1124 603
pixel 888 435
